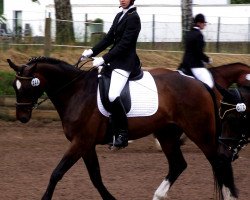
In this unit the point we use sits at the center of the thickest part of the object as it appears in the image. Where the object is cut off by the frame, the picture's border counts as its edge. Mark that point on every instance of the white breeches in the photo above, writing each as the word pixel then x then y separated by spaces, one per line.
pixel 118 80
pixel 203 75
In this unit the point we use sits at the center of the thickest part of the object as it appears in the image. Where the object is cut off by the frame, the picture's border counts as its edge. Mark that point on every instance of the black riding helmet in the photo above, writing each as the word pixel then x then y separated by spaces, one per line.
pixel 200 18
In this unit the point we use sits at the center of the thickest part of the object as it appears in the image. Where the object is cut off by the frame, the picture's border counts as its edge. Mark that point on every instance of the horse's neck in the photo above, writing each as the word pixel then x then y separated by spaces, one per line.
pixel 226 76
pixel 67 89
pixel 56 77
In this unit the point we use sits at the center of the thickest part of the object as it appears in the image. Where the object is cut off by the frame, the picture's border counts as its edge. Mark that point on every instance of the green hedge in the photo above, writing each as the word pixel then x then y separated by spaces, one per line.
pixel 6 79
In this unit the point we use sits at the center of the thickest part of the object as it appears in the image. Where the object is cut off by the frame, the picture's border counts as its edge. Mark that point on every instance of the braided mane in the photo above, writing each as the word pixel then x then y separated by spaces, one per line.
pixel 44 59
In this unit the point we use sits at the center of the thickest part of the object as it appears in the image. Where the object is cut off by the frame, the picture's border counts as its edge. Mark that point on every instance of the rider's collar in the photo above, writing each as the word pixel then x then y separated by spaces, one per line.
pixel 196 27
pixel 126 10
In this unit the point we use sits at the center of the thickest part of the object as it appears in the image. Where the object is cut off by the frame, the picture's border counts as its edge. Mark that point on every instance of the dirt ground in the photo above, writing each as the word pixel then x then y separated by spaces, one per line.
pixel 29 153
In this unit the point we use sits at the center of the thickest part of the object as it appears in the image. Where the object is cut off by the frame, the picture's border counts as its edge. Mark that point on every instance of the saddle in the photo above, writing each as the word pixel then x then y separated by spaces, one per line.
pixel 104 84
pixel 186 71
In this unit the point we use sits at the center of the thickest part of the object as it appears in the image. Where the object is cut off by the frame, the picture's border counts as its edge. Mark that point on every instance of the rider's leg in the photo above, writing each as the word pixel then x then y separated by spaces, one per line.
pixel 203 75
pixel 118 80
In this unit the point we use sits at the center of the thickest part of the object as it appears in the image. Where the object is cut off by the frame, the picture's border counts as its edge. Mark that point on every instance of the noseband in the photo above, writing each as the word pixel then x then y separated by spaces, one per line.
pixel 31 105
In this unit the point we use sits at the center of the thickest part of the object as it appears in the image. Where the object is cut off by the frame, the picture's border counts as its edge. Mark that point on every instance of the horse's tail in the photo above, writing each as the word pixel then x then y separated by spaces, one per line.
pixel 223 178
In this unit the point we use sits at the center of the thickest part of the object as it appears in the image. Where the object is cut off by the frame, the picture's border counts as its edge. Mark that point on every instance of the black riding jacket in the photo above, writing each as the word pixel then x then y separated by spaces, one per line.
pixel 194 47
pixel 123 36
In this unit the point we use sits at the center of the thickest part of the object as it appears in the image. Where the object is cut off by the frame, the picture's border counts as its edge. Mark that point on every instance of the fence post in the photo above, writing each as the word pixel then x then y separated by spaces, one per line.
pixel 47 39
pixel 153 31
pixel 248 42
pixel 86 30
pixel 218 36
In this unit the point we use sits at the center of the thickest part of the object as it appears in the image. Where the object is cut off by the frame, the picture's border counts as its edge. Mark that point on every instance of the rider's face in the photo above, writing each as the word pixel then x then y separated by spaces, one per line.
pixel 201 25
pixel 124 3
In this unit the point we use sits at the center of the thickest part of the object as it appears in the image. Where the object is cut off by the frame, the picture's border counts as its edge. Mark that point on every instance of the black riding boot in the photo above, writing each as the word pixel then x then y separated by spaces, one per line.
pixel 120 123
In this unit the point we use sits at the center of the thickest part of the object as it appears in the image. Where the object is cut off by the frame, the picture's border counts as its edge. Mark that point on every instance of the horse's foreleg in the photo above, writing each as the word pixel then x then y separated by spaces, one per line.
pixel 68 160
pixel 177 164
pixel 92 164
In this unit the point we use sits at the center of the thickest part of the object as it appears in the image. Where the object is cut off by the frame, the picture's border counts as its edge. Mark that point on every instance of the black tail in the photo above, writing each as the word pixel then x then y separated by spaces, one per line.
pixel 223 176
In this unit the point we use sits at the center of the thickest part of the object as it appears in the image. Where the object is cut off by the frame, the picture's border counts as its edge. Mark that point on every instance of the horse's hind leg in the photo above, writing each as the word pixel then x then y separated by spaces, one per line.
pixel 92 164
pixel 170 143
pixel 69 159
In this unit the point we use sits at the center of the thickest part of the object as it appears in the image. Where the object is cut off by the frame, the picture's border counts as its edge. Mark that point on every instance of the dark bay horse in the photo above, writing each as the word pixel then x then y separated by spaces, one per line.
pixel 185 105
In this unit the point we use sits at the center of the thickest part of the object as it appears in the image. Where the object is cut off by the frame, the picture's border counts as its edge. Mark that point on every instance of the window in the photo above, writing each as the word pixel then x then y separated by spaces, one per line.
pixel 17 22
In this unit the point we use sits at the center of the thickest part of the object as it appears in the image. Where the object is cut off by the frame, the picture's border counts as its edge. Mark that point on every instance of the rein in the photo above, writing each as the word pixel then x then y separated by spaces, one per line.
pixel 234 107
pixel 241 143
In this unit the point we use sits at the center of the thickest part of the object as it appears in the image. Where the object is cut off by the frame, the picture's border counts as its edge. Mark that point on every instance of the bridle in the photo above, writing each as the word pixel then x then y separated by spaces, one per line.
pixel 34 105
pixel 31 105
pixel 237 143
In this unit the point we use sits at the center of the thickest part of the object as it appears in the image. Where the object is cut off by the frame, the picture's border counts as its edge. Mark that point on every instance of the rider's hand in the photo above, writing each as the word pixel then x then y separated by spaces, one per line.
pixel 98 61
pixel 87 53
pixel 210 60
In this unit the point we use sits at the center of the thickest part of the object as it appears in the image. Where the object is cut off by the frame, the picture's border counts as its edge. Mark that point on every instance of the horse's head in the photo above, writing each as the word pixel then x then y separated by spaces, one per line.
pixel 235 118
pixel 29 86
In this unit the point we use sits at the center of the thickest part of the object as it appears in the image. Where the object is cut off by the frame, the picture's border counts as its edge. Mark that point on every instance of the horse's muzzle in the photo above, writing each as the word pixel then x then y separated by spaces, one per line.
pixel 23 113
pixel 23 119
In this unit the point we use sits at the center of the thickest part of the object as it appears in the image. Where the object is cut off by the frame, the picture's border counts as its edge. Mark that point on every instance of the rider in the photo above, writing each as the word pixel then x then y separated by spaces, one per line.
pixel 194 57
pixel 122 59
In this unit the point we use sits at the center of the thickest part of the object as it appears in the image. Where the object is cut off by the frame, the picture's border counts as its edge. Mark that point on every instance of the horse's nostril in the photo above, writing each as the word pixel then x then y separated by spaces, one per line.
pixel 24 119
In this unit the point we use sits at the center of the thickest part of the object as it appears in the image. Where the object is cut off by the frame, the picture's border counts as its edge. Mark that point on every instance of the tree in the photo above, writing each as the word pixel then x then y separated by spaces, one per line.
pixel 64 22
pixel 187 16
pixel 240 1
pixel 2 18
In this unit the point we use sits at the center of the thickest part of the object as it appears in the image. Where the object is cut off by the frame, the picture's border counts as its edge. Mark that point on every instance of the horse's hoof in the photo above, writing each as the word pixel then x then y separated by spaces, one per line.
pixel 113 148
pixel 121 141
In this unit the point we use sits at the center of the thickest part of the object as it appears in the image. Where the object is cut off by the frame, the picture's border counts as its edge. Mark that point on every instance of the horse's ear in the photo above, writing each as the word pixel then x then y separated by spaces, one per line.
pixel 12 65
pixel 33 68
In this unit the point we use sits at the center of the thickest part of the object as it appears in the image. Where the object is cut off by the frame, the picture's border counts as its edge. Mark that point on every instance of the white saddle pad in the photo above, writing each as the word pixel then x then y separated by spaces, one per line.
pixel 144 97
pixel 181 73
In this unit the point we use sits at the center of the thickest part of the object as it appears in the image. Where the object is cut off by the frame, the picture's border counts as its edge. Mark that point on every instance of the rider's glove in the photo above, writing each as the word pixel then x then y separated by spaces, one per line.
pixel 210 60
pixel 87 53
pixel 98 61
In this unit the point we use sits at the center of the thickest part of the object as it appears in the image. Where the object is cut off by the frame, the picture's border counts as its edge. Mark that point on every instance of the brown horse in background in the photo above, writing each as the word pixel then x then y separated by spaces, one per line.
pixel 185 105
pixel 228 74
pixel 224 77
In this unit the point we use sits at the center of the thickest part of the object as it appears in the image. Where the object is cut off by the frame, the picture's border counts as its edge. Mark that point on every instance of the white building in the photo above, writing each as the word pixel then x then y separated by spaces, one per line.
pixel 234 19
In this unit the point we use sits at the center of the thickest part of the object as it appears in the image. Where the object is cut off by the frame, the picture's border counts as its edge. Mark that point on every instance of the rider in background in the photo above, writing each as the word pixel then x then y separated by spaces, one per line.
pixel 194 57
pixel 122 59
